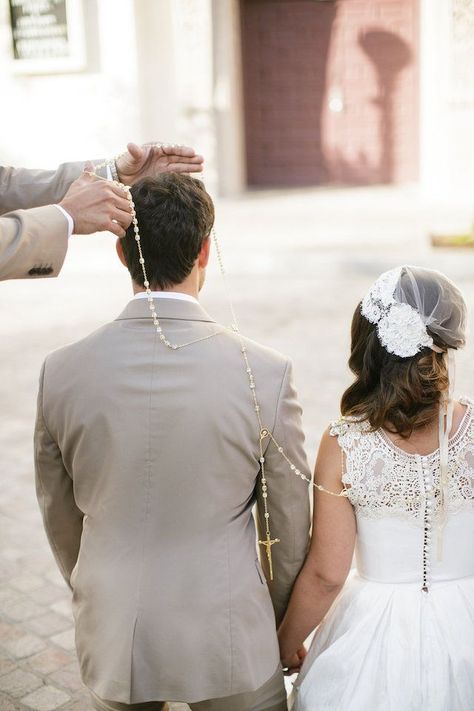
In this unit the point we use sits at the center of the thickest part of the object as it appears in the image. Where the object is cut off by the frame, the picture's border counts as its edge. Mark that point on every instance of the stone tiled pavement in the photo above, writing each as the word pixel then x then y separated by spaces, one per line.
pixel 299 262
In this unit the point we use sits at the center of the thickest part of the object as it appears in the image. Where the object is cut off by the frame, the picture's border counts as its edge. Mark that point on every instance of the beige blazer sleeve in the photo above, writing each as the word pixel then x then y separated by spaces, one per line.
pixel 33 243
pixel 288 499
pixel 21 188
pixel 54 489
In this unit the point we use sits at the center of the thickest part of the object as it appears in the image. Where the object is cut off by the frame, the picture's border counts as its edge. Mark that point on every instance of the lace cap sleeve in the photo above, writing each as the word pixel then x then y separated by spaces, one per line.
pixel 339 427
pixel 347 431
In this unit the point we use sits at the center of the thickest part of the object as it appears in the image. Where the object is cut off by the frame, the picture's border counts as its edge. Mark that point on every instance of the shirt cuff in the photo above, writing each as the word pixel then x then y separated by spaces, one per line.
pixel 70 221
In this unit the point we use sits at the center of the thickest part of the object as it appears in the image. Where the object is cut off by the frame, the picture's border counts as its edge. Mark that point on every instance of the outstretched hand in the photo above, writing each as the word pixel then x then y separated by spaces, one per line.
pixel 149 160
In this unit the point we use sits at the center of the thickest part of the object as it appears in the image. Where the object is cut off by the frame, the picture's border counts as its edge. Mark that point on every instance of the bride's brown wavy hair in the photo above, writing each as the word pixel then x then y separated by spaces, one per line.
pixel 398 394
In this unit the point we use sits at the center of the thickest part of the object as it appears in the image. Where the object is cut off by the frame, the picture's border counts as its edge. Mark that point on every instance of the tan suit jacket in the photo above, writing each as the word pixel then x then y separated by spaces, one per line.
pixel 33 242
pixel 147 469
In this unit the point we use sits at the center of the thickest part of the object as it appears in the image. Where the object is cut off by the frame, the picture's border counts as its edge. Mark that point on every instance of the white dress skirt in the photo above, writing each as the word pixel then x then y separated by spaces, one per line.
pixel 400 637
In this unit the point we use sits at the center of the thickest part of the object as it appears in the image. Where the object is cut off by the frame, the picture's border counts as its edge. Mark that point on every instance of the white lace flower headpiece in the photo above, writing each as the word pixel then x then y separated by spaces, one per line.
pixel 400 327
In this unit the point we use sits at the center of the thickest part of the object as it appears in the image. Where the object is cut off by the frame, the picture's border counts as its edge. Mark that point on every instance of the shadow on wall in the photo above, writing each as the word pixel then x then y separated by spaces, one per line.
pixel 389 55
pixel 398 55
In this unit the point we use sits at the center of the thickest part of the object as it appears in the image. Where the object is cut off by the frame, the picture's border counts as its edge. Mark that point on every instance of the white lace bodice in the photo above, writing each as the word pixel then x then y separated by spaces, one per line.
pixel 390 488
pixel 383 480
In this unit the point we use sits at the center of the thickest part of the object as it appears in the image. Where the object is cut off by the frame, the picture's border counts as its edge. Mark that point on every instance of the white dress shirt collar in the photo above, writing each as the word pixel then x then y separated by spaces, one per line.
pixel 167 295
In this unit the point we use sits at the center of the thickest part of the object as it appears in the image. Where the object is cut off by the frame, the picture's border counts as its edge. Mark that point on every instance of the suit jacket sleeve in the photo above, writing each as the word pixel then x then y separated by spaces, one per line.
pixel 21 188
pixel 32 243
pixel 288 499
pixel 62 518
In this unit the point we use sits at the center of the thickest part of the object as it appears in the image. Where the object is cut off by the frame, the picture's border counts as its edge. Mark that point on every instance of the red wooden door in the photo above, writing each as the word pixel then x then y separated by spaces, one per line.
pixel 330 91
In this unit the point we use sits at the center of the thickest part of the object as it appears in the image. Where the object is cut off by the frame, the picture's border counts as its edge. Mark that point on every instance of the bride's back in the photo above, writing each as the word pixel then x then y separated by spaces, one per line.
pixel 404 534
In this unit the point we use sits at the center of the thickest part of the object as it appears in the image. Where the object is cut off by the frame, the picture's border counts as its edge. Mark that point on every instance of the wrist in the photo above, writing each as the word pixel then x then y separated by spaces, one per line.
pixel 287 648
pixel 68 216
pixel 67 206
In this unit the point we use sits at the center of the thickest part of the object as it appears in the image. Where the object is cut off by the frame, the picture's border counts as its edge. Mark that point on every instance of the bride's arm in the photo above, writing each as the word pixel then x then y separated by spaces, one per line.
pixel 329 559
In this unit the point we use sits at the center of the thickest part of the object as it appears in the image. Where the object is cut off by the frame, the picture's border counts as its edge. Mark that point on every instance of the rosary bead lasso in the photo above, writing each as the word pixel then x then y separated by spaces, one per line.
pixel 263 432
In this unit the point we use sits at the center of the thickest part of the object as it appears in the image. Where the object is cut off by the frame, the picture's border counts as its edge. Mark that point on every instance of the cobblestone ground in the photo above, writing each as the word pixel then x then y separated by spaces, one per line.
pixel 299 263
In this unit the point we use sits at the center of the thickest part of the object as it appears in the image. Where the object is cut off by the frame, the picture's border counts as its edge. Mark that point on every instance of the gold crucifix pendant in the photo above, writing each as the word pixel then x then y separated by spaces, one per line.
pixel 268 543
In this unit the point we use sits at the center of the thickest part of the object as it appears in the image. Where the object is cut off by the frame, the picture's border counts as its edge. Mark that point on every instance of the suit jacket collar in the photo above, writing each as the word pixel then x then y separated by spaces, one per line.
pixel 166 309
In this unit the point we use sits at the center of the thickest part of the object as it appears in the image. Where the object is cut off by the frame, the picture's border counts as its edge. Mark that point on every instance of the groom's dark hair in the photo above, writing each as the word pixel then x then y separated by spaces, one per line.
pixel 175 215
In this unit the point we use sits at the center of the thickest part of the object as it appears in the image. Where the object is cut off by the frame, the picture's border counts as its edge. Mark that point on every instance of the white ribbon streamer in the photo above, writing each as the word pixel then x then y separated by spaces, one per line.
pixel 445 426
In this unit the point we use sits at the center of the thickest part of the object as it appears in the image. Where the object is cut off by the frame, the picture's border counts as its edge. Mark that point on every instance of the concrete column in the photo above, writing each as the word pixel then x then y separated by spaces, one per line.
pixel 447 101
pixel 434 51
pixel 193 56
pixel 228 97
pixel 156 75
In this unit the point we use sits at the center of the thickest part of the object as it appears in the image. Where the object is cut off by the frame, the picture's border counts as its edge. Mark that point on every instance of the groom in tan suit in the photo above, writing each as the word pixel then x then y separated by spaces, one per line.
pixel 147 461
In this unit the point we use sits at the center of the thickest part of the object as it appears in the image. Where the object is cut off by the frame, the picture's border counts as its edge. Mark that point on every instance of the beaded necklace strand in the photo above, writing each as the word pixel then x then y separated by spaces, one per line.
pixel 264 433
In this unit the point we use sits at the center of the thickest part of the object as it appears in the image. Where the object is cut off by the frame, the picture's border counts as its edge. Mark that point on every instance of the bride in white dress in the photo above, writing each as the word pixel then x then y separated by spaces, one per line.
pixel 400 635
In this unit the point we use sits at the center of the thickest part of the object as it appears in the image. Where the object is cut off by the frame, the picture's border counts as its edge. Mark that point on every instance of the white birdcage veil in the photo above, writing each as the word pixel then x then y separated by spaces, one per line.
pixel 411 305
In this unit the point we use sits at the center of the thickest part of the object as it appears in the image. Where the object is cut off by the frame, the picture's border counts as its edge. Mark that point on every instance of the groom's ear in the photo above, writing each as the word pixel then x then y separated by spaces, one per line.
pixel 121 255
pixel 203 258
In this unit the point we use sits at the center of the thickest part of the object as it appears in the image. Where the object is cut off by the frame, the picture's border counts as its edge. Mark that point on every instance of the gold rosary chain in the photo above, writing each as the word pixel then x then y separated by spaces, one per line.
pixel 268 541
pixel 342 494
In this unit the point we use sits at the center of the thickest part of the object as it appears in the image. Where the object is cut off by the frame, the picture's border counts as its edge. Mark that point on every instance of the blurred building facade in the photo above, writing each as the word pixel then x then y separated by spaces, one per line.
pixel 275 93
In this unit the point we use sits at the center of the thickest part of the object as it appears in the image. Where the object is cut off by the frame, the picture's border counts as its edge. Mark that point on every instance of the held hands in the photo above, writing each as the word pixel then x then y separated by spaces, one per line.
pixel 293 663
pixel 96 205
pixel 149 160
